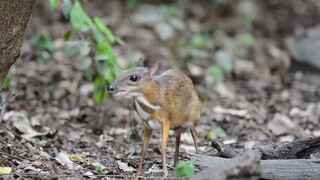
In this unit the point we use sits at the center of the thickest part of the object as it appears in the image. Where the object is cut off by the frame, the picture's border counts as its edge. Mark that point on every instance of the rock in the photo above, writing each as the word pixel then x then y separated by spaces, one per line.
pixel 280 124
pixel 304 47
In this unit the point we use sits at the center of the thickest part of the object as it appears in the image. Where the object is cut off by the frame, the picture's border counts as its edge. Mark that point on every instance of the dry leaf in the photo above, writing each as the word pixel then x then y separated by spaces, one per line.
pixel 123 166
pixel 5 170
pixel 75 158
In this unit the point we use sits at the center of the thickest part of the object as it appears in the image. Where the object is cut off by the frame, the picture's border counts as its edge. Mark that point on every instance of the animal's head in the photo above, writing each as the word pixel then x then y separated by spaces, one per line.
pixel 131 82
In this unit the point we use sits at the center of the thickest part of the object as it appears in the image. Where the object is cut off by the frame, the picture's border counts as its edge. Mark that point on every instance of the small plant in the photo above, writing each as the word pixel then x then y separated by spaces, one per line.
pixel 44 47
pixel 98 169
pixel 6 82
pixel 185 169
pixel 216 132
pixel 92 40
pixel 215 72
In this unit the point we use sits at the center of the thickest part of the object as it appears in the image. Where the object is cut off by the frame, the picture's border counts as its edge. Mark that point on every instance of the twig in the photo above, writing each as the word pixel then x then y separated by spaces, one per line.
pixel 3 108
pixel 13 156
pixel 11 96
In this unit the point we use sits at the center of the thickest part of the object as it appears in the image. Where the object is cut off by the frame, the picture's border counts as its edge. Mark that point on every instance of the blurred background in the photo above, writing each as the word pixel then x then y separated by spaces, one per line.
pixel 255 66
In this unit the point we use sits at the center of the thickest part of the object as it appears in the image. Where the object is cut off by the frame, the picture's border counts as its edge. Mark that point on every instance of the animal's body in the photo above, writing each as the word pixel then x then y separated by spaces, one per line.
pixel 163 102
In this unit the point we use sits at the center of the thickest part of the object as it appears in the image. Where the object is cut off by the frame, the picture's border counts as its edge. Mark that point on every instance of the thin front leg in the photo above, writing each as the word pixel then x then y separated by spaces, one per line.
pixel 165 137
pixel 195 138
pixel 146 138
pixel 176 154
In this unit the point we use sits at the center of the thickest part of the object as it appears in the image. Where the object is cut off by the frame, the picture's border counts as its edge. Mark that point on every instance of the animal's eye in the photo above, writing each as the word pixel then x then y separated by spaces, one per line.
pixel 134 78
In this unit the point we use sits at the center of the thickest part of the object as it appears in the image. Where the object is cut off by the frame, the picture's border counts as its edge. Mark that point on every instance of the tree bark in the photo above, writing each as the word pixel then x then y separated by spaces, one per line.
pixel 14 16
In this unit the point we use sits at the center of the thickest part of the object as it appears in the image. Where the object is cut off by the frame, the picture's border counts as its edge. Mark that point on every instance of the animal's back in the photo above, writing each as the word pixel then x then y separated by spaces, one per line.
pixel 178 97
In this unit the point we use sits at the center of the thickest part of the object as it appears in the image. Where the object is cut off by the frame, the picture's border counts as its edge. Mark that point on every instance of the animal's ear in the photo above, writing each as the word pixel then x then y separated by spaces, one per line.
pixel 154 68
pixel 140 64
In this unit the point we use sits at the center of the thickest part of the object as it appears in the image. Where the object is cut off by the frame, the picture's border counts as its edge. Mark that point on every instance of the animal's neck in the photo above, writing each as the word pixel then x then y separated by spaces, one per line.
pixel 150 95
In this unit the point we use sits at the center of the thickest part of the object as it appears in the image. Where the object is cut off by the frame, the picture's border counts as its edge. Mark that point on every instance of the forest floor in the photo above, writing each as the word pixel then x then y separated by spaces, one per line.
pixel 263 96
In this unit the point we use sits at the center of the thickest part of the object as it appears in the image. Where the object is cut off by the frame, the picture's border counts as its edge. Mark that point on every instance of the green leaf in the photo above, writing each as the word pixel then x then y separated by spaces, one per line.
pixel 98 169
pixel 85 49
pixel 249 40
pixel 248 20
pixel 219 132
pixel 53 3
pixel 104 29
pixel 66 7
pixel 215 72
pixel 198 40
pixel 117 69
pixel 110 77
pixel 43 42
pixel 131 4
pixel 71 50
pixel 97 35
pixel 105 48
pixel 225 61
pixel 101 57
pixel 184 168
pixel 102 68
pixel 87 19
pixel 173 10
pixel 6 82
pixel 182 41
pixel 119 41
pixel 86 63
pixel 67 35
pixel 100 92
pixel 76 16
pixel 72 97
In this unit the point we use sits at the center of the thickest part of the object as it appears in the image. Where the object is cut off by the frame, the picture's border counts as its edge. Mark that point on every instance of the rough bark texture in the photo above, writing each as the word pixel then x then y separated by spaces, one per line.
pixel 283 169
pixel 14 16
pixel 299 149
pixel 298 159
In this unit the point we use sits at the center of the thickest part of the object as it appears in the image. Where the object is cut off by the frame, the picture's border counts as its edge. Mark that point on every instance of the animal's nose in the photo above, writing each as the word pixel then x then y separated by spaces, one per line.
pixel 111 88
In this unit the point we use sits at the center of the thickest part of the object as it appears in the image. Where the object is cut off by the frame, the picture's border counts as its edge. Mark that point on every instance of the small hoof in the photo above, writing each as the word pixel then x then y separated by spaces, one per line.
pixel 165 174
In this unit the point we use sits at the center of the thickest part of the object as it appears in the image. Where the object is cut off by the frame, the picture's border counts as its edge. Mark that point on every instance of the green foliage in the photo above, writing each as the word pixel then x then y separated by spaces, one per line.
pixel 99 93
pixel 248 21
pixel 6 82
pixel 98 169
pixel 132 5
pixel 215 72
pixel 53 3
pixel 92 40
pixel 77 16
pixel 225 61
pixel 44 45
pixel 249 39
pixel 200 40
pixel 185 169
pixel 43 42
pixel 173 10
pixel 216 132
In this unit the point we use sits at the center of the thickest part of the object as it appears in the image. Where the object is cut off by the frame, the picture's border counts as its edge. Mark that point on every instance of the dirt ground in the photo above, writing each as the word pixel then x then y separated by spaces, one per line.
pixel 266 97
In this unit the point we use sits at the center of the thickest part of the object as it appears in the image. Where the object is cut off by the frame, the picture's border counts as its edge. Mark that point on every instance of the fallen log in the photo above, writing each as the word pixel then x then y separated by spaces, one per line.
pixel 283 161
pixel 246 166
pixel 299 149
pixel 269 169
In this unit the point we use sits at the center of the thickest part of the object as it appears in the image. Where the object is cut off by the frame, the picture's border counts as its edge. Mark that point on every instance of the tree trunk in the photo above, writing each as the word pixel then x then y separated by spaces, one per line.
pixel 14 16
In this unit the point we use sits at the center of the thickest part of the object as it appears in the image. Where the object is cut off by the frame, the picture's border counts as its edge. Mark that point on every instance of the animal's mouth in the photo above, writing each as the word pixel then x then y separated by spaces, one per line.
pixel 121 92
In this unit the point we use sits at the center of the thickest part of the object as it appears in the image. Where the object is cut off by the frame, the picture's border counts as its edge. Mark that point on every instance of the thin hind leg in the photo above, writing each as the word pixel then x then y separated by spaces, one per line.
pixel 195 138
pixel 176 154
